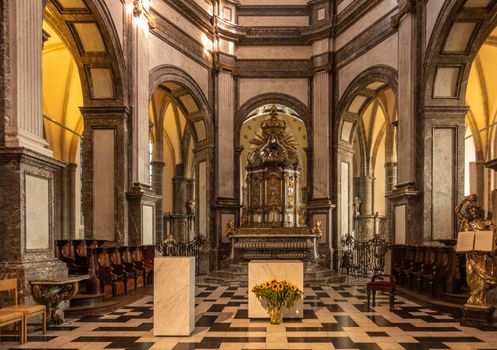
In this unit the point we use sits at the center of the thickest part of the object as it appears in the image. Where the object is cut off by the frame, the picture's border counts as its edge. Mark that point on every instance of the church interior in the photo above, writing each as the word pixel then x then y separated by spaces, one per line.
pixel 248 174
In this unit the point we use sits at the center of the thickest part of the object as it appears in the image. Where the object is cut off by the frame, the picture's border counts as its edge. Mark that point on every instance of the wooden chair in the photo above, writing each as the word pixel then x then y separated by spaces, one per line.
pixel 8 317
pixel 377 283
pixel 28 310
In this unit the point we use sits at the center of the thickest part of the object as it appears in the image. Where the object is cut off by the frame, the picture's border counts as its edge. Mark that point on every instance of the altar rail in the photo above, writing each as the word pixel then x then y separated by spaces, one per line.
pixel 171 247
pixel 364 258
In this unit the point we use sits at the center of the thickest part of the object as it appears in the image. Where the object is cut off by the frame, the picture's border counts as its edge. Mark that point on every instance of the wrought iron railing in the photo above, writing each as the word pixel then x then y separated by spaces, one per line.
pixel 171 247
pixel 364 258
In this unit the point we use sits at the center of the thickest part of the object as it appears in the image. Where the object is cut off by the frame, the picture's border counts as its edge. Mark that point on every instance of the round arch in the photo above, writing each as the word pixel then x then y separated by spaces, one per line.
pixel 364 90
pixel 100 60
pixel 447 58
pixel 167 73
pixel 303 113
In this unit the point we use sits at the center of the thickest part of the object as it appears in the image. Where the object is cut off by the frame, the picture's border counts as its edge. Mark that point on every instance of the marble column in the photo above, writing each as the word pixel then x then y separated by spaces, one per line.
pixel 104 171
pixel 367 183
pixel 390 182
pixel 158 187
pixel 180 198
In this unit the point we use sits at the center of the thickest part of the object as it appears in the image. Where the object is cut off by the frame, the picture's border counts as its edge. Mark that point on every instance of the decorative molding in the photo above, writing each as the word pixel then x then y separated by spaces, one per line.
pixel 273 10
pixel 273 68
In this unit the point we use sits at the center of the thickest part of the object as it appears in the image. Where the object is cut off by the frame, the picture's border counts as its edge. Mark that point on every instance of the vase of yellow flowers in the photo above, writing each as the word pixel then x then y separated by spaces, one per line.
pixel 274 295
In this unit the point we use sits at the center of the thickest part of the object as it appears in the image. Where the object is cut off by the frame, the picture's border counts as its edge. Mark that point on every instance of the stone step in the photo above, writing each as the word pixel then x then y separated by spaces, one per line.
pixel 314 274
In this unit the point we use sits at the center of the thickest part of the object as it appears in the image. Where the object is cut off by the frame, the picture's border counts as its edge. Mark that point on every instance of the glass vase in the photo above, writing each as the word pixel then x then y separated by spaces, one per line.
pixel 275 316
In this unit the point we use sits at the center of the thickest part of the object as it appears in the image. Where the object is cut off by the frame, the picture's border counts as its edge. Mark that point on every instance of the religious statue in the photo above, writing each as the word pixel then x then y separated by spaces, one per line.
pixel 316 229
pixel 244 218
pixel 230 229
pixel 481 267
pixel 274 191
pixel 168 245
pixel 301 215
pixel 357 206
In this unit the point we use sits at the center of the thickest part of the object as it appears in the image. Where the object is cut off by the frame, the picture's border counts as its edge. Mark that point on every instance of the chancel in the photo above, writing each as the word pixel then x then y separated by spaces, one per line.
pixel 248 174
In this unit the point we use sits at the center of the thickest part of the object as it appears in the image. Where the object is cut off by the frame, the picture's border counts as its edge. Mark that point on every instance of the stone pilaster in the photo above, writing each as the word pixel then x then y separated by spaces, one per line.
pixel 104 170
pixel 390 182
pixel 406 196
pixel 158 187
pixel 443 170
pixel 27 214
pixel 66 205
pixel 142 215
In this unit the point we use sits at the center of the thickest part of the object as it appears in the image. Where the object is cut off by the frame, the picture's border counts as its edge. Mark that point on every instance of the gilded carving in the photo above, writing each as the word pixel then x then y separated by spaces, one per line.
pixel 481 267
pixel 273 172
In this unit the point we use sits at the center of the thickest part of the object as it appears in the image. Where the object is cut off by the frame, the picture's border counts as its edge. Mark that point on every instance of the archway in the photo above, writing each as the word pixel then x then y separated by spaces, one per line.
pixel 180 136
pixel 83 77
pixel 250 131
pixel 450 112
pixel 366 155
pixel 481 119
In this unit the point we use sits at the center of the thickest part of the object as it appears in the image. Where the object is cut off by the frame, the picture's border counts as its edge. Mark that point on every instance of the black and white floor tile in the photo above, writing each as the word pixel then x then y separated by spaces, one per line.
pixel 336 317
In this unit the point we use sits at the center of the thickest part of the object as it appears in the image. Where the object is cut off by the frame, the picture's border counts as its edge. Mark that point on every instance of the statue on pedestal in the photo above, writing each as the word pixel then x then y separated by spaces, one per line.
pixel 481 267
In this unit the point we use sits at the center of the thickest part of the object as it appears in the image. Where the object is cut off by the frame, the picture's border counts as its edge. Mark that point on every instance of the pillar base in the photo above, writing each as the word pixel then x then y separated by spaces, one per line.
pixel 141 215
pixel 26 247
pixel 408 215
pixel 51 268
pixel 484 319
pixel 321 209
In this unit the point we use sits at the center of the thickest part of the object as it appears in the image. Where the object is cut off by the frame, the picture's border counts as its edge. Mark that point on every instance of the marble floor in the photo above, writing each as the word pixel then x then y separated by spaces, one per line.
pixel 335 318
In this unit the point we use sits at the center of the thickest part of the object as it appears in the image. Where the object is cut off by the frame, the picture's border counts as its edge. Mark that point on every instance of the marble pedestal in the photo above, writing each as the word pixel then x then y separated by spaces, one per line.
pixel 260 271
pixel 174 296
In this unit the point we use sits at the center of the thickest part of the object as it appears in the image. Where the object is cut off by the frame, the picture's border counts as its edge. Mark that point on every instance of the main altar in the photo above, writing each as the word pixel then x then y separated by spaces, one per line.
pixel 273 223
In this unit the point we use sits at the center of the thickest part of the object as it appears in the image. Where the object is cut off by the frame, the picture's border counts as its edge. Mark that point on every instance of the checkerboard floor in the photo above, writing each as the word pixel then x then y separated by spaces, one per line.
pixel 336 317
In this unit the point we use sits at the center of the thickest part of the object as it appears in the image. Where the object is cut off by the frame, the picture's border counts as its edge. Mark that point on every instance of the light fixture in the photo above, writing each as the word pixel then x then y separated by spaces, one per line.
pixel 141 10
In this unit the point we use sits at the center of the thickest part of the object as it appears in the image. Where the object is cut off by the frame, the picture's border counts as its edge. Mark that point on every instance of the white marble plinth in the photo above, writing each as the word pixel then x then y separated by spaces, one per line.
pixel 174 296
pixel 260 271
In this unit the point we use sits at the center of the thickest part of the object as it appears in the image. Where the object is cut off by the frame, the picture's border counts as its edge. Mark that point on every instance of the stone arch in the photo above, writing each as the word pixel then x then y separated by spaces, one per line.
pixel 89 33
pixel 198 113
pixel 359 94
pixel 304 114
pixel 168 73
pixel 460 32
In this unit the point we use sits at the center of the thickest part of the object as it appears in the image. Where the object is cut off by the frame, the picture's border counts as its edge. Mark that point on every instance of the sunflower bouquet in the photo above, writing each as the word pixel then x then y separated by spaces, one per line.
pixel 276 294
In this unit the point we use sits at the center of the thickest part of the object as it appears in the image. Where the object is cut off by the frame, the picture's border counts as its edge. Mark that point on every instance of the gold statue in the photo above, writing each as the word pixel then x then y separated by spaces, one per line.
pixel 481 267
pixel 244 218
pixel 301 215
pixel 316 229
pixel 230 229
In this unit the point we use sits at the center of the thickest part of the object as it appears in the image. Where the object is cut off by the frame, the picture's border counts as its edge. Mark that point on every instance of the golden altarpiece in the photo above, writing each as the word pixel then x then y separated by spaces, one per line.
pixel 273 178
pixel 273 224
